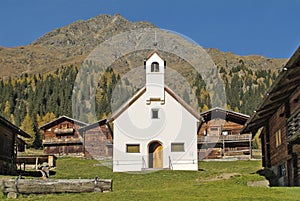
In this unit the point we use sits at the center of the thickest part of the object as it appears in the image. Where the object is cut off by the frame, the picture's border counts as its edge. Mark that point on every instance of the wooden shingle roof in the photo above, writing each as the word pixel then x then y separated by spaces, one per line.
pixel 11 126
pixel 61 119
pixel 286 83
pixel 93 125
pixel 227 115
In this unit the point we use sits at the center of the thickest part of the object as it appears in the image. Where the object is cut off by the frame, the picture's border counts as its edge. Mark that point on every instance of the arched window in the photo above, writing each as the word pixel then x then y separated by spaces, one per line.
pixel 154 67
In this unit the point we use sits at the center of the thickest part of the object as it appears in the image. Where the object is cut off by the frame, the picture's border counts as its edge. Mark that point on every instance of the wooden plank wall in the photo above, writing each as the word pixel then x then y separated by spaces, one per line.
pixel 278 154
pixel 7 151
pixel 97 142
pixel 63 148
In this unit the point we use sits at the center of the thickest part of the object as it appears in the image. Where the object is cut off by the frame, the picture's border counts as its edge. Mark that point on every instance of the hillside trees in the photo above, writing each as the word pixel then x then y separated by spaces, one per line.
pixel 28 127
pixel 30 101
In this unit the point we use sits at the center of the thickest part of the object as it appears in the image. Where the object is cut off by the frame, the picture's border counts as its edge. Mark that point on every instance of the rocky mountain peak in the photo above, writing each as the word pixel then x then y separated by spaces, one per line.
pixel 72 43
pixel 82 36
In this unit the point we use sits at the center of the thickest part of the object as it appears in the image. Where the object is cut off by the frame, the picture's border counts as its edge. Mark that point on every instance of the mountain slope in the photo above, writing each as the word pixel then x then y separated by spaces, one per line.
pixel 66 45
pixel 72 43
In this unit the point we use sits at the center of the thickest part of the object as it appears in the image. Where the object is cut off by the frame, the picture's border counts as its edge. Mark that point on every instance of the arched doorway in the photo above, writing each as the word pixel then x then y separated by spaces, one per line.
pixel 155 155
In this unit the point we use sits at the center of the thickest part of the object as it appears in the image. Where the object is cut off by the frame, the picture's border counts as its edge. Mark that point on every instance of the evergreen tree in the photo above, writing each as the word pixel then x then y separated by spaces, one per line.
pixel 28 127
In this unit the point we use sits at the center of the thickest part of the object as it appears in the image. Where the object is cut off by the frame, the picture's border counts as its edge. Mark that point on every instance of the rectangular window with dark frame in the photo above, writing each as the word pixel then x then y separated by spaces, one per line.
pixel 282 170
pixel 177 147
pixel 132 148
pixel 214 129
pixel 154 113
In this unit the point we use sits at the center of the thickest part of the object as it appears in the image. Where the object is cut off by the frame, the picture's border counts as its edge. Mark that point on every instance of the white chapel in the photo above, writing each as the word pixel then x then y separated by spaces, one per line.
pixel 155 129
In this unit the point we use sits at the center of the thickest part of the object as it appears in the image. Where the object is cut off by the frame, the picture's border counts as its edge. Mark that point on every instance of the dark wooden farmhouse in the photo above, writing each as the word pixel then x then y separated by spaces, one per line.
pixel 279 117
pixel 61 137
pixel 8 145
pixel 97 140
pixel 219 136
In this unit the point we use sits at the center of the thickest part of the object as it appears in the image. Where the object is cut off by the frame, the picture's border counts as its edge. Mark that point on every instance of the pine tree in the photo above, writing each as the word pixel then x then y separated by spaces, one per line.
pixel 28 127
pixel 6 112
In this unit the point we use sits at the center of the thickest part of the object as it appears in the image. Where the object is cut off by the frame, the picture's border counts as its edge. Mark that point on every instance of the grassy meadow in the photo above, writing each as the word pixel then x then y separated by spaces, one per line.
pixel 213 181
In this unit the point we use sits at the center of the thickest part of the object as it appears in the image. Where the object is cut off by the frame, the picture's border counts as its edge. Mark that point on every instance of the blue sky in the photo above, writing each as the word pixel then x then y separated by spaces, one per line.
pixel 266 27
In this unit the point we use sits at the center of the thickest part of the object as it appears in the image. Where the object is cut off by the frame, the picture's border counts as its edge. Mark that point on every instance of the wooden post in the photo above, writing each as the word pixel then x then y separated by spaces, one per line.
pixel 268 146
pixel 250 148
pixel 223 148
pixel 36 162
pixel 51 161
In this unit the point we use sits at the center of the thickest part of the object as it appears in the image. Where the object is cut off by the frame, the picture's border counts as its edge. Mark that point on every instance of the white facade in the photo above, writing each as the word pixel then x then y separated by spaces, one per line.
pixel 155 129
pixel 155 84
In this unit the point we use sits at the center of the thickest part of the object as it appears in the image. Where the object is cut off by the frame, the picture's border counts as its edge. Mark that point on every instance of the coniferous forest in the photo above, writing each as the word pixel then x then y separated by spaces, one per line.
pixel 29 101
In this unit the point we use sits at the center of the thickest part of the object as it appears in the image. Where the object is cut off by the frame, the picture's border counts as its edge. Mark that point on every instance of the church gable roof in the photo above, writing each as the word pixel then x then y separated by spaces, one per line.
pixel 152 53
pixel 126 105
pixel 183 103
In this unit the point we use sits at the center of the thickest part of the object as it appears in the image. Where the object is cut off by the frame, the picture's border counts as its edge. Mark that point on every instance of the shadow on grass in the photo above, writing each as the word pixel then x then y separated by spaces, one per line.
pixel 269 175
pixel 33 173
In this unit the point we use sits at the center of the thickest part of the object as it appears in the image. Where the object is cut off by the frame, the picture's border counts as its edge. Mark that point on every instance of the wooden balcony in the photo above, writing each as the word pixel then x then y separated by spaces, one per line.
pixel 224 138
pixel 55 141
pixel 293 128
pixel 64 131
pixel 225 146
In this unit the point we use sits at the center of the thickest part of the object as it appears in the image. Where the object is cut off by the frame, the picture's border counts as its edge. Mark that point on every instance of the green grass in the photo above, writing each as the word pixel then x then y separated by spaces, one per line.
pixel 171 185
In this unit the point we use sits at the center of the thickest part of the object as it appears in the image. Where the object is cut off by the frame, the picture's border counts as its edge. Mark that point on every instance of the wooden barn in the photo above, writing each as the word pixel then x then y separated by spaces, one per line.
pixel 8 146
pixel 61 137
pixel 219 137
pixel 97 140
pixel 279 117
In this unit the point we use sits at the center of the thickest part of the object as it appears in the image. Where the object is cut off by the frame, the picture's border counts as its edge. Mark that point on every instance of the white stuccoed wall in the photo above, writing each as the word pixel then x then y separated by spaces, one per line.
pixel 135 126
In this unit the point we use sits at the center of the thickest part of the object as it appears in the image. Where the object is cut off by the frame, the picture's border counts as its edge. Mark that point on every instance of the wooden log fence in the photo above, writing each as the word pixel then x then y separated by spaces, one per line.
pixel 12 188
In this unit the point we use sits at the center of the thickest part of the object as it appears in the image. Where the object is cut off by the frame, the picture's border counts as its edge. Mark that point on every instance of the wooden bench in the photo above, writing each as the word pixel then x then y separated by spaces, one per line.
pixel 35 161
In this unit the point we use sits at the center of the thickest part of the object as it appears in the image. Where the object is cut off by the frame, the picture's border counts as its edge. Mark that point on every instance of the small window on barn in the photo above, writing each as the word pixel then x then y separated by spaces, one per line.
pixel 154 67
pixel 214 129
pixel 132 148
pixel 282 170
pixel 278 138
pixel 177 147
pixel 154 114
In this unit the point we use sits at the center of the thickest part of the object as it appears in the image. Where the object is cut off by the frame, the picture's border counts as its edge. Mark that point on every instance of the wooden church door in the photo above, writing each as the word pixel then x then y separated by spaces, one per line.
pixel 155 155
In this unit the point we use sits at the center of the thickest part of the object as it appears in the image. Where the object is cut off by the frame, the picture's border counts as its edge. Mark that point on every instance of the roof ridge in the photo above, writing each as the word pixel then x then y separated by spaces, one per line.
pixel 63 116
pixel 231 111
pixel 14 127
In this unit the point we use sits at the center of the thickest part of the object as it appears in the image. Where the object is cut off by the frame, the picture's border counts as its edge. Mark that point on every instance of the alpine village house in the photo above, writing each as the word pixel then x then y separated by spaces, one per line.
pixel 61 136
pixel 219 137
pixel 279 117
pixel 9 143
pixel 67 136
pixel 155 129
pixel 97 140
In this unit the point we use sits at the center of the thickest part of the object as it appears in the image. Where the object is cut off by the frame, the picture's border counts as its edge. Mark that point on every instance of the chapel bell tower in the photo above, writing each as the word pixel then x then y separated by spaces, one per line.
pixel 155 73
